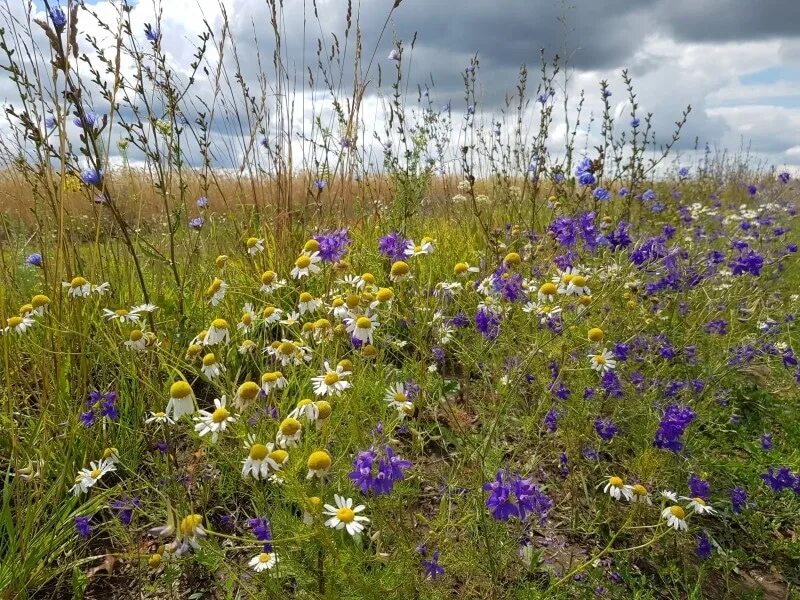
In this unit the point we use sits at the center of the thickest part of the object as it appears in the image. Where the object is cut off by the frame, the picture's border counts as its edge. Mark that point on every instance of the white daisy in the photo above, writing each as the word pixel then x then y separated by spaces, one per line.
pixel 254 246
pixel 214 422
pixel 397 397
pixel 122 315
pixel 292 318
pixel 362 327
pixel 699 506
pixel 319 463
pixel 289 433
pixel 262 460
pixel 602 361
pixel 181 400
pixel 332 382
pixel 248 317
pixel 136 341
pixel 271 315
pixel 308 304
pixel 102 289
pixel 344 516
pixel 676 517
pixel 617 489
pixel 18 324
pixel 87 478
pixel 211 368
pixel 271 282
pixel 639 494
pixel 78 287
pixel 216 291
pixel 305 265
pixel 159 417
pixel 217 333
pixel 424 247
pixel 463 269
pixel 547 292
pixel 577 286
pixel 273 380
pixel 668 495
pixel 263 561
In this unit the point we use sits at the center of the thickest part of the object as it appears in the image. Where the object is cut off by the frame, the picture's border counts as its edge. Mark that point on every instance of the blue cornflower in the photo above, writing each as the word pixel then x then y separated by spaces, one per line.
pixel 92 177
pixel 784 177
pixel 752 190
pixel 197 223
pixel 623 191
pixel 333 245
pixel 601 194
pixel 153 34
pixel 648 195
pixel 34 260
pixel 780 479
pixel 58 18
pixel 635 122
pixel 202 202
pixel 393 246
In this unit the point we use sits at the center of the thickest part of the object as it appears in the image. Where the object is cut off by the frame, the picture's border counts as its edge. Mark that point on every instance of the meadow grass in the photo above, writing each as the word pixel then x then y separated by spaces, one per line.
pixel 543 375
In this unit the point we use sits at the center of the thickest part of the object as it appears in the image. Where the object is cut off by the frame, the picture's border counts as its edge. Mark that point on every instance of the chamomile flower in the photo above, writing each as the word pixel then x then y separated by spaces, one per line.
pixel 211 368
pixel 305 409
pixel 247 392
pixel 668 495
pixel 214 422
pixel 292 318
pixel 123 315
pixel 595 335
pixel 262 460
pixel 617 489
pixel 218 333
pixel 181 400
pixel 136 341
pixel 190 530
pixel 383 298
pixel 159 417
pixel 639 493
pixel 270 315
pixel 424 247
pixel 312 509
pixel 289 433
pixel 248 318
pixel 602 361
pixel 271 282
pixel 339 308
pixel 332 382
pixel 263 561
pixel 247 346
pixel 216 291
pixel 463 269
pixel 102 289
pixel 18 325
pixel 545 312
pixel 399 271
pixel 323 411
pixel 319 463
pixel 577 286
pixel 305 265
pixel 397 398
pixel 289 353
pixel 78 287
pixel 344 516
pixel 675 517
pixel 547 292
pixel 274 380
pixel 254 246
pixel 307 303
pixel 699 506
pixel 87 478
pixel 362 328
pixel 40 302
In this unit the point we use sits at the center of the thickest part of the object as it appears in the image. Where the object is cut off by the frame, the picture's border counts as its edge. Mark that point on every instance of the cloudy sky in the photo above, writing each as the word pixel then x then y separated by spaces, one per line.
pixel 737 62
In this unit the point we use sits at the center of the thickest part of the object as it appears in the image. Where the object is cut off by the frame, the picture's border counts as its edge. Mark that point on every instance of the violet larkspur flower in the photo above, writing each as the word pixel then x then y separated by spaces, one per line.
pixel 393 246
pixel 431 566
pixel 601 194
pixel 124 507
pixel 606 429
pixel 673 424
pixel 151 33
pixel 699 488
pixel 703 549
pixel 516 497
pixel 34 260
pixel 333 245
pixel 780 478
pixel 738 499
pixel 784 177
pixel 82 525
pixel 378 472
pixel 261 529
pixel 488 322
pixel 766 442
pixel 92 177
pixel 748 262
pixel 551 420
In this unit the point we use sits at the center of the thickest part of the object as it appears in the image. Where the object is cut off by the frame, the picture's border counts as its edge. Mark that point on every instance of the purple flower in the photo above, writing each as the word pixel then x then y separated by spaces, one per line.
pixel 606 429
pixel 488 322
pixel 648 195
pixel 58 18
pixel 261 530
pixel 202 202
pixel 748 262
pixel 151 33
pixel 88 121
pixel 50 122
pixel 584 172
pixel 766 442
pixel 197 223
pixel 738 499
pixel 82 525
pixel 509 285
pixel 516 498
pixel 635 122
pixel 125 507
pixel 34 260
pixel 673 424
pixel 92 177
pixel 376 472
pixel 683 172
pixel 780 479
pixel 703 549
pixel 393 246
pixel 601 194
pixel 87 418
pixel 699 488
pixel 551 420
pixel 752 190
pixel 333 245
pixel 319 184
pixel 623 191
pixel 784 177
pixel 432 567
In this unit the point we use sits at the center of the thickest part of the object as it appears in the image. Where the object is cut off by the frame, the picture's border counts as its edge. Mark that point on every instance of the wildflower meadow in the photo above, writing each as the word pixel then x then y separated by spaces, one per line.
pixel 252 353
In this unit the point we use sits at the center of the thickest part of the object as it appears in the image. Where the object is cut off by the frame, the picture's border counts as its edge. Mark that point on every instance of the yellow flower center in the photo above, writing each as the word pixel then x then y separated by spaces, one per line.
pixel 258 452
pixel 180 389
pixel 567 277
pixel 319 461
pixel 639 490
pixel 267 277
pixel 384 294
pixel 322 324
pixel 271 377
pixel 209 359
pixel 346 364
pixel 306 297
pixel 426 240
pixel 214 287
pixel 585 300
pixel 599 359
pixel 220 261
pixel 596 334
pixel 337 302
pixel 287 348
pixel 78 282
pixel 219 324
pixel 95 474
pixel 14 321
pixel 308 327
pixel 154 560
pixel 268 311
pixel 367 297
pixel 220 415
pixel 368 278
pixel 279 456
pixel 363 323
pixel 189 524
pixel 264 557
pixel 418 248
pixel 323 409
pixel 40 300
pixel 345 515
pixel 548 289
pixel 248 390
pixel 460 268
pixel 369 351
pixel 579 281
pixel 400 268
pixel 135 335
pixel 192 351
pixel 290 426
pixel 159 415
pixel 121 312
pixel 699 501
pixel 302 262
pixel 331 377
pixel 251 242
pixel 353 301
pixel 677 512
pixel 615 481
pixel 311 246
pixel 512 258
pixel 400 397
pixel 25 309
